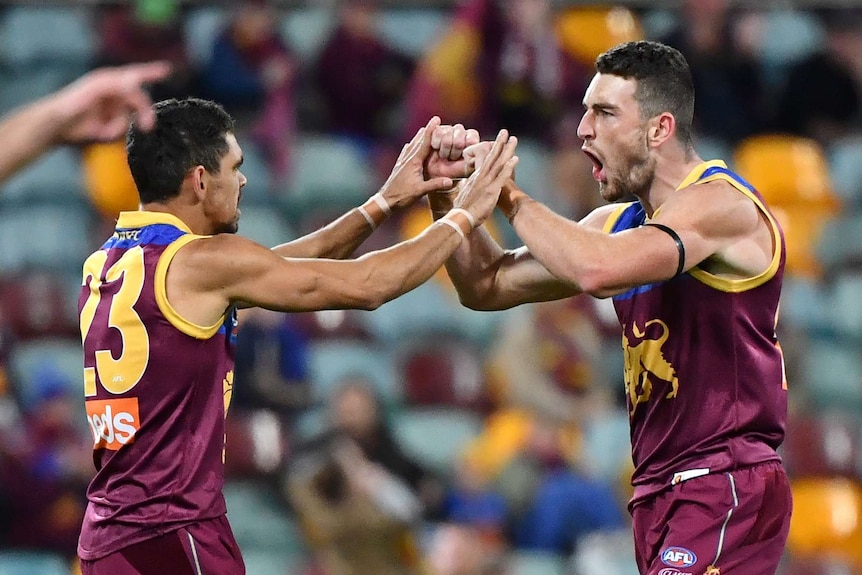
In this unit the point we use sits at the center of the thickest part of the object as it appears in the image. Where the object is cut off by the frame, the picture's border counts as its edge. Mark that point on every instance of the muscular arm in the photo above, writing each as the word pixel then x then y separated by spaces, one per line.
pixel 95 107
pixel 336 240
pixel 27 134
pixel 487 277
pixel 714 221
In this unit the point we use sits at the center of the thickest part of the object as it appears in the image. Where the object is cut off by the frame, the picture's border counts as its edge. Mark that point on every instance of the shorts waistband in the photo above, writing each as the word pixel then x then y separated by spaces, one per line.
pixel 681 476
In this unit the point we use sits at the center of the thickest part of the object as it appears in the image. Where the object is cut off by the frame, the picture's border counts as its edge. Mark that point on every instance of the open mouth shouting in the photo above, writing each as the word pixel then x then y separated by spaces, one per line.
pixel 598 166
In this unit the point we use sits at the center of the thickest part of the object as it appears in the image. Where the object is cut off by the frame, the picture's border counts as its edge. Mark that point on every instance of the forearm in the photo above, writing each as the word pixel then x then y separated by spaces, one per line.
pixel 555 241
pixel 27 133
pixel 397 270
pixel 339 239
pixel 474 265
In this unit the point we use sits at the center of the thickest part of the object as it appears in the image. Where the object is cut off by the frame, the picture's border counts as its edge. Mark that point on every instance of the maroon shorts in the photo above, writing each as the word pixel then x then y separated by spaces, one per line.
pixel 733 523
pixel 204 548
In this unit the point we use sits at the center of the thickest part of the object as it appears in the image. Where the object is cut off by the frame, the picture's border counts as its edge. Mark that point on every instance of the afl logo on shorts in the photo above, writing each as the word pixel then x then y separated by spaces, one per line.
pixel 678 557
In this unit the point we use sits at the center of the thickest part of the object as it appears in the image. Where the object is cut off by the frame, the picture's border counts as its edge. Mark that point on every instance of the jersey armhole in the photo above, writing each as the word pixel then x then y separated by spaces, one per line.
pixel 161 290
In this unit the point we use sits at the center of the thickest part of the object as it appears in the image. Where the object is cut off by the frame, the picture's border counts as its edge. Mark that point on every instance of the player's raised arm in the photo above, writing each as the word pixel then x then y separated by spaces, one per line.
pixel 96 107
pixel 404 186
pixel 208 275
pixel 486 276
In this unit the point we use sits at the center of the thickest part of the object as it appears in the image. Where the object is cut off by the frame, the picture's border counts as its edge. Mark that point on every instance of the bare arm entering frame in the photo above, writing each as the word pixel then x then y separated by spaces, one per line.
pixel 96 107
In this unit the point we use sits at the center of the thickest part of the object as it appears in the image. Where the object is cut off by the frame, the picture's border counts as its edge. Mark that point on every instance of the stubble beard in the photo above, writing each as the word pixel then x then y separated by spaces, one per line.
pixel 638 179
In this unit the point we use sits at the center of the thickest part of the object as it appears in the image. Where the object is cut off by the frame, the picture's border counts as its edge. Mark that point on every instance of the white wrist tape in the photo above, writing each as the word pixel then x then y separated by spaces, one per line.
pixel 367 217
pixel 454 226
pixel 467 215
pixel 378 199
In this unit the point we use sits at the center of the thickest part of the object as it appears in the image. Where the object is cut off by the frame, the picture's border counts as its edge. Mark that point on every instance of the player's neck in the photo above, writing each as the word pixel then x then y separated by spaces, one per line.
pixel 671 169
pixel 189 216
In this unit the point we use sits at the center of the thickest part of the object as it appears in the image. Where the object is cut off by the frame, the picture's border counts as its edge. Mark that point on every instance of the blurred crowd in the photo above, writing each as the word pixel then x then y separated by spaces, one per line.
pixel 423 438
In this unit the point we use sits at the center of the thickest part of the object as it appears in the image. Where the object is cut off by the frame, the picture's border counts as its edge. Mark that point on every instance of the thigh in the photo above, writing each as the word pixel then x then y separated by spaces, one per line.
pixel 156 556
pixel 724 524
pixel 212 548
pixel 203 548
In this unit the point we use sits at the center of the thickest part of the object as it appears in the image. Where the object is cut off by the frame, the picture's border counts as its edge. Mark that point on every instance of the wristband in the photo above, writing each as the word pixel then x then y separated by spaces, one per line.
pixel 373 212
pixel 378 199
pixel 467 215
pixel 454 226
pixel 461 224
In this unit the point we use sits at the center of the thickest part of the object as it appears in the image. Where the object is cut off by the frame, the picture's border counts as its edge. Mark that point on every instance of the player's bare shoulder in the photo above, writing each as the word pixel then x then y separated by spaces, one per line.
pixel 598 218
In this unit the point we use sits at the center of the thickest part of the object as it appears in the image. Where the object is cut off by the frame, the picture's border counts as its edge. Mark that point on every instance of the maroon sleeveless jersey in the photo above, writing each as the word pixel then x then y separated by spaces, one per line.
pixel 157 389
pixel 704 371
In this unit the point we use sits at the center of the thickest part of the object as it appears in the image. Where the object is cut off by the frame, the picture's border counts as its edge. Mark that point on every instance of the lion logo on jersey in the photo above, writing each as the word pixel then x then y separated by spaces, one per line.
pixel 645 364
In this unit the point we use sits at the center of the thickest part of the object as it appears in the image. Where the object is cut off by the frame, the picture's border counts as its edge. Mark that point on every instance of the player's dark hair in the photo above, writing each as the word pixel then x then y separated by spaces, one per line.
pixel 187 133
pixel 663 77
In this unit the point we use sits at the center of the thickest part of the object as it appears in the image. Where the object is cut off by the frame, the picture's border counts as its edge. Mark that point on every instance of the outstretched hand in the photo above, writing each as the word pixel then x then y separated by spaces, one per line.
pixel 448 159
pixel 407 181
pixel 99 105
pixel 480 192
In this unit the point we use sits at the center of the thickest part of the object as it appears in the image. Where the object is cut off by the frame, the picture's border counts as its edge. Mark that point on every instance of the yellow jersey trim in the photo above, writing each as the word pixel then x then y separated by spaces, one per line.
pixel 187 327
pixel 614 216
pixel 140 218
pixel 734 285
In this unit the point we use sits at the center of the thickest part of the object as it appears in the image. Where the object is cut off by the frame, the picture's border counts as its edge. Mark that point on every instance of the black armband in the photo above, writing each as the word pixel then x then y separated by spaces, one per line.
pixel 679 247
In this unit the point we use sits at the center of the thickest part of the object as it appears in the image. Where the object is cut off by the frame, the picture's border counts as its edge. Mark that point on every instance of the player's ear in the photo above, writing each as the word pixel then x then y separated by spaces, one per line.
pixel 198 181
pixel 660 128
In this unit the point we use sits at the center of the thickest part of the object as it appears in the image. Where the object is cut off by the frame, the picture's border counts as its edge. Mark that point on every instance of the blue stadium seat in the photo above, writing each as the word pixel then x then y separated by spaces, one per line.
pixel 332 361
pixel 411 31
pixel 329 170
pixel 49 235
pixel 788 36
pixel 202 25
pixel 56 177
pixel 20 87
pixel 845 167
pixel 609 553
pixel 306 30
pixel 832 374
pixel 32 563
pixel 535 563
pixel 264 225
pixel 436 436
pixel 41 34
pixel 259 520
pixel 48 362
pixel 840 243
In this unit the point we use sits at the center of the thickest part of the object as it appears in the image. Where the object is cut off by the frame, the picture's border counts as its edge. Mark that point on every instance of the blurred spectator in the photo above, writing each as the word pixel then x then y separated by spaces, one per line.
pixel 822 95
pixel 356 411
pixel 730 94
pixel 147 30
pixel 499 65
pixel 357 516
pixel 362 80
pixel 565 506
pixel 472 501
pixel 271 364
pixel 45 465
pixel 253 74
pixel 460 550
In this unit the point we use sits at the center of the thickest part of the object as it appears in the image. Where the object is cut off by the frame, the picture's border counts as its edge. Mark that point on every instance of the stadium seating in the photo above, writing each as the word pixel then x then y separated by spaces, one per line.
pixel 792 174
pixel 40 303
pixel 827 520
pixel 306 30
pixel 822 445
pixel 586 32
pixel 264 225
pixel 48 235
pixel 332 361
pixel 411 31
pixel 56 177
pixel 48 362
pixel 845 167
pixel 440 371
pixel 32 563
pixel 535 563
pixel 832 374
pixel 202 25
pixel 435 437
pixel 33 35
pixel 329 170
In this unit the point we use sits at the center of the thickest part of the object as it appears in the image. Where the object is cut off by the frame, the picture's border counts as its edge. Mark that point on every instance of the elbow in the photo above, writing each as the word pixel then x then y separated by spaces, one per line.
pixel 476 303
pixel 596 283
